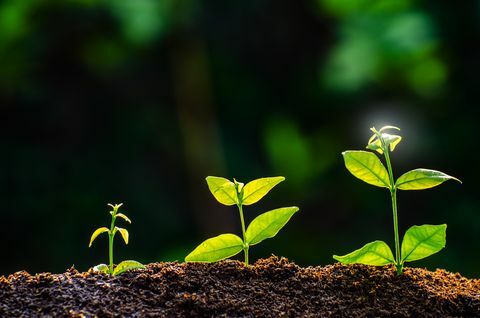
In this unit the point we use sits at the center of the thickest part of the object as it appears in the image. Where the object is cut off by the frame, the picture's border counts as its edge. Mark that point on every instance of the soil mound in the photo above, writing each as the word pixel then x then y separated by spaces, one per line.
pixel 272 287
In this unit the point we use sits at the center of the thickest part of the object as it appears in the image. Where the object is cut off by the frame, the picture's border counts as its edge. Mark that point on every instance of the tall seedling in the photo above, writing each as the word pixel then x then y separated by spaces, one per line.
pixel 419 241
pixel 262 227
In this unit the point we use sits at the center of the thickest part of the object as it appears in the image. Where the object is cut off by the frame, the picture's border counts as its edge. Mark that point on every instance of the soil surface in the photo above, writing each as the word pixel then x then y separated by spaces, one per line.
pixel 272 287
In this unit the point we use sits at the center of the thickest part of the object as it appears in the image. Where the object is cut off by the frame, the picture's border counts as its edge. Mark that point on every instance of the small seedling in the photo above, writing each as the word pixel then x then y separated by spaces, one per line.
pixel 125 265
pixel 419 241
pixel 262 227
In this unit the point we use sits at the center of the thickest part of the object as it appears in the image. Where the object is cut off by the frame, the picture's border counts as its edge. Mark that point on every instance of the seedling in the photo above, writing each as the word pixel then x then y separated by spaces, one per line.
pixel 262 227
pixel 125 265
pixel 419 241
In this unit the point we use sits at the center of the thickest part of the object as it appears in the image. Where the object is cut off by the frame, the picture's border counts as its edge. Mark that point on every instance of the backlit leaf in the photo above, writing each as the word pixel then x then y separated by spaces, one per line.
pixel 391 141
pixel 268 224
pixel 367 167
pixel 127 266
pixel 216 249
pixel 389 127
pixel 422 241
pixel 97 233
pixel 376 253
pixel 124 233
pixel 223 190
pixel 257 189
pixel 420 179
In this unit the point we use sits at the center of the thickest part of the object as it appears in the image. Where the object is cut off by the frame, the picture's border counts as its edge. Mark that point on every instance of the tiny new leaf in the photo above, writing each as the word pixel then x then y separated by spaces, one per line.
pixel 216 248
pixel 376 253
pixel 223 190
pixel 367 167
pixel 126 266
pixel 420 179
pixel 268 224
pixel 422 241
pixel 257 189
pixel 390 141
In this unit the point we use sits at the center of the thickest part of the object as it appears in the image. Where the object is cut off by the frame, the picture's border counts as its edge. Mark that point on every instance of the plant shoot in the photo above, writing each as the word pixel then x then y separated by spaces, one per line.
pixel 125 265
pixel 419 241
pixel 262 227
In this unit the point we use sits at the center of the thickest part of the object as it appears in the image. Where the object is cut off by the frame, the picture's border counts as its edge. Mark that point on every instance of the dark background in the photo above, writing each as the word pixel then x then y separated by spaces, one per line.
pixel 136 101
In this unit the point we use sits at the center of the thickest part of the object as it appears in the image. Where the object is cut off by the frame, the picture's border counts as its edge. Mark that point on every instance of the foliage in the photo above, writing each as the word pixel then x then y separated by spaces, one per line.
pixel 419 241
pixel 264 226
pixel 125 265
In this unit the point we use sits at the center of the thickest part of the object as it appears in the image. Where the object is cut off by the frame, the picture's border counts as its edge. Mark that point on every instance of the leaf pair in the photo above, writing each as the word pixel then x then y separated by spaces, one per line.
pixel 419 242
pixel 231 193
pixel 101 230
pixel 120 268
pixel 264 226
pixel 367 167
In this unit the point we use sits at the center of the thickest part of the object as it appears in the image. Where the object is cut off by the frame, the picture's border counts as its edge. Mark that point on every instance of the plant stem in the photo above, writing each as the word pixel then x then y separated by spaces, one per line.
pixel 398 264
pixel 393 193
pixel 111 235
pixel 245 245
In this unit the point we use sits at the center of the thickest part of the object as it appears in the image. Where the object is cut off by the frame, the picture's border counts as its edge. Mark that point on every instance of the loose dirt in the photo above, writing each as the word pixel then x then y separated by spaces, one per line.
pixel 272 287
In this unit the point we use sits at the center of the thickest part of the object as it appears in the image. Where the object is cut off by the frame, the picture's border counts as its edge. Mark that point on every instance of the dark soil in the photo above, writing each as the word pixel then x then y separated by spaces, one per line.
pixel 272 287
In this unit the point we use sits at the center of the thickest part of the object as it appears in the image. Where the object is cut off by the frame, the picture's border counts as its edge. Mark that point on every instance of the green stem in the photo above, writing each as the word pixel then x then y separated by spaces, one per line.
pixel 111 235
pixel 395 229
pixel 245 245
pixel 393 193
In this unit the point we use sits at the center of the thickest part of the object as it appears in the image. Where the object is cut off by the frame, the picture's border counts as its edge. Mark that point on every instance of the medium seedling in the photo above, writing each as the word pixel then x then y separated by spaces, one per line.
pixel 262 227
pixel 419 241
pixel 125 265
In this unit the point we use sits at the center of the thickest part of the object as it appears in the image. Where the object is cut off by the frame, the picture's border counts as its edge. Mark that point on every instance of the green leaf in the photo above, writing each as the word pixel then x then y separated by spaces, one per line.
pixel 124 233
pixel 223 190
pixel 422 241
pixel 268 224
pixel 123 216
pixel 376 253
pixel 391 141
pixel 103 268
pixel 367 167
pixel 216 248
pixel 126 266
pixel 257 189
pixel 97 233
pixel 420 179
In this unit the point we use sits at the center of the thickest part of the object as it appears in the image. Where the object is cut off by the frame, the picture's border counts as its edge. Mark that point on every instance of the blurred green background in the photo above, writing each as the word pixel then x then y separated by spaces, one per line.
pixel 136 101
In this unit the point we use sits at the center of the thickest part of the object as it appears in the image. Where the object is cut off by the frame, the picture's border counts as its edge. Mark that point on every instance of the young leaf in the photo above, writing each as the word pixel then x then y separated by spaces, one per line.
pixel 391 141
pixel 223 190
pixel 422 241
pixel 97 233
pixel 124 233
pixel 420 179
pixel 367 167
pixel 257 189
pixel 375 253
pixel 101 268
pixel 268 224
pixel 123 216
pixel 216 249
pixel 126 266
pixel 389 127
